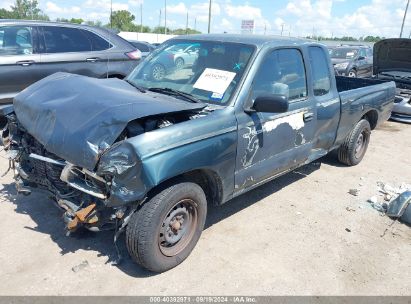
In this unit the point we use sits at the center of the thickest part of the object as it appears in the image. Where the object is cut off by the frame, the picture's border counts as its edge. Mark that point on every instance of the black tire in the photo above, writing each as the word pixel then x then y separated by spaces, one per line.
pixel 179 63
pixel 353 149
pixel 158 72
pixel 352 73
pixel 143 235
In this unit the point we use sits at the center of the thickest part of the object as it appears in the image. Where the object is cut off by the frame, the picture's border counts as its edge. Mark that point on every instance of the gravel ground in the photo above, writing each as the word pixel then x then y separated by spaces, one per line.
pixel 301 234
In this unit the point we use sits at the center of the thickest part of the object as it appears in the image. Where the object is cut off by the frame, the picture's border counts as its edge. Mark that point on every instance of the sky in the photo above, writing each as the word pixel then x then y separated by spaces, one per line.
pixel 296 18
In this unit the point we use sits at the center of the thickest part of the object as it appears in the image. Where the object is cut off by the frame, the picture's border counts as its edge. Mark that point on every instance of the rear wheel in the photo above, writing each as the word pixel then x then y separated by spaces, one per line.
pixel 352 151
pixel 165 230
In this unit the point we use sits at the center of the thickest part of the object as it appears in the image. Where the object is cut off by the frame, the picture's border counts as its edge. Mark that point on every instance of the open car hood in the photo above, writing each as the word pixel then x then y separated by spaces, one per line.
pixel 77 117
pixel 392 54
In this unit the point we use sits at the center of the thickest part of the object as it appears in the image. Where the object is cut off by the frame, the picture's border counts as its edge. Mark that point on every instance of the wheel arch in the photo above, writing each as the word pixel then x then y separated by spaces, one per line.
pixel 372 117
pixel 207 179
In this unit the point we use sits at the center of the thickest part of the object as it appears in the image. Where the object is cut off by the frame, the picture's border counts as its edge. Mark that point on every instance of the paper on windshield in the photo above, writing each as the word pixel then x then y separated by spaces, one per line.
pixel 214 80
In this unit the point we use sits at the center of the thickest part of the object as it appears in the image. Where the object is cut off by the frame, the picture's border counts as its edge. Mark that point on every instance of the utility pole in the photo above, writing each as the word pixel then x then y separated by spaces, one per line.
pixel 209 16
pixel 141 17
pixel 265 28
pixel 195 23
pixel 405 16
pixel 282 28
pixel 165 17
pixel 187 24
pixel 159 20
pixel 111 13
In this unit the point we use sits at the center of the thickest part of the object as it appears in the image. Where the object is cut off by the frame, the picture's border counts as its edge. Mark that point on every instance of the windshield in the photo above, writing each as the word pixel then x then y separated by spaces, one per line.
pixel 343 53
pixel 209 71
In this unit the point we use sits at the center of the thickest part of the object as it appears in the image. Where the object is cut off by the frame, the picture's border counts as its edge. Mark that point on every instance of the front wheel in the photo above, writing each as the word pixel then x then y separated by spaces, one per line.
pixel 352 73
pixel 352 151
pixel 165 230
pixel 158 72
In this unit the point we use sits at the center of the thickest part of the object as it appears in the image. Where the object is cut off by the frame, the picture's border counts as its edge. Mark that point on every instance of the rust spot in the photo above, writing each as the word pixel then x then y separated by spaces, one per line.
pixel 81 217
pixel 73 224
pixel 83 213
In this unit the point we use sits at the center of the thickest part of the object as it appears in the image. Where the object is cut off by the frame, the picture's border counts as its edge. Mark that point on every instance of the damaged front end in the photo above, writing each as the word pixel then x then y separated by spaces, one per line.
pixel 98 199
pixel 72 142
pixel 82 194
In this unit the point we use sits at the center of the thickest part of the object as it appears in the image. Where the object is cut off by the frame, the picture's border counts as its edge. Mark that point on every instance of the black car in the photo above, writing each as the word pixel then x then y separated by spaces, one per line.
pixel 31 50
pixel 352 61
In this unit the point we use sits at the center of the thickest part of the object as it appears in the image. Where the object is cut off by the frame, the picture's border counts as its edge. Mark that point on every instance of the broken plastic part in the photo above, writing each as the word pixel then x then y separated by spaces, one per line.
pixel 399 205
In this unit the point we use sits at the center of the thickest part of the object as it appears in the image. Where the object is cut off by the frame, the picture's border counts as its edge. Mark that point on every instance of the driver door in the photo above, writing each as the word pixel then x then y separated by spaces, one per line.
pixel 270 143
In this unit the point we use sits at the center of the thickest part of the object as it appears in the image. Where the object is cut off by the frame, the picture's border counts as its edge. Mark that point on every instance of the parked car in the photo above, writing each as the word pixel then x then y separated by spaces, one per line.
pixel 32 50
pixel 186 56
pixel 352 61
pixel 144 47
pixel 392 61
pixel 147 156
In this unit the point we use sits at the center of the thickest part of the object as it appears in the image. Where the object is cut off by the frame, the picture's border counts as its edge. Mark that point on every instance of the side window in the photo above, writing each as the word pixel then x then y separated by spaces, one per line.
pixel 363 53
pixel 64 40
pixel 282 72
pixel 97 43
pixel 320 71
pixel 369 53
pixel 16 40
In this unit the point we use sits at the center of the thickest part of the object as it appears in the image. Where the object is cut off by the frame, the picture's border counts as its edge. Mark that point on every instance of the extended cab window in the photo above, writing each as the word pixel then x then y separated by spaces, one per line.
pixel 16 40
pixel 320 71
pixel 282 72
pixel 64 40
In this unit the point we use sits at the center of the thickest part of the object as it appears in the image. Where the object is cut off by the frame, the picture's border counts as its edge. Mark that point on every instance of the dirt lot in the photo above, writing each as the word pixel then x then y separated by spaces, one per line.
pixel 300 234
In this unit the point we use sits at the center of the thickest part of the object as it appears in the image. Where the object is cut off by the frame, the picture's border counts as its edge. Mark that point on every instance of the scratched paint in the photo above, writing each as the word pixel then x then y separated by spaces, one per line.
pixel 295 121
pixel 251 148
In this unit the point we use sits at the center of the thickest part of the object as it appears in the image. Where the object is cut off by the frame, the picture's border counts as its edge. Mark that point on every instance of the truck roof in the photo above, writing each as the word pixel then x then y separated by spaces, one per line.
pixel 257 40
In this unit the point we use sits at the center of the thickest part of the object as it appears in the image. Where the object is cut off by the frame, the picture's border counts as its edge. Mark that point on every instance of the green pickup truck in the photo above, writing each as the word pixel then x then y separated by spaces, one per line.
pixel 147 154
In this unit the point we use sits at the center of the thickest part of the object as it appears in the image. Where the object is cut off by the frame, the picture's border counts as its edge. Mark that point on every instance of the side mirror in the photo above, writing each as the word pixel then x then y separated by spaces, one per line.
pixel 361 58
pixel 272 103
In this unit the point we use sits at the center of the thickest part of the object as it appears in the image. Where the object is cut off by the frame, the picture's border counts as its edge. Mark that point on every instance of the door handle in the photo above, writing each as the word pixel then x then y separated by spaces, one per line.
pixel 94 59
pixel 25 62
pixel 308 116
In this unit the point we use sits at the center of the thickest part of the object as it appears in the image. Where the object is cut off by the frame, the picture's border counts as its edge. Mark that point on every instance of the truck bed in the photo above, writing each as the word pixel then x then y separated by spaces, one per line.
pixel 360 96
pixel 349 83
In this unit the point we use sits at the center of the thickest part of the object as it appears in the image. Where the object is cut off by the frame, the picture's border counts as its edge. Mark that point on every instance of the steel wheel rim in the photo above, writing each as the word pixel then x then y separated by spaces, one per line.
pixel 158 72
pixel 351 74
pixel 178 227
pixel 360 145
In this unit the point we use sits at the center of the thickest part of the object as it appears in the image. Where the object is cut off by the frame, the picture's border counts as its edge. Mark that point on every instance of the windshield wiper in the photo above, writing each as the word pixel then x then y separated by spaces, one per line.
pixel 141 89
pixel 173 92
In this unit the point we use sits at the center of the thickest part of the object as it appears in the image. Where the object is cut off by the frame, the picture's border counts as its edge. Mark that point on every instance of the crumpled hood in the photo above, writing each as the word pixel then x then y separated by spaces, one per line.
pixel 77 117
pixel 392 54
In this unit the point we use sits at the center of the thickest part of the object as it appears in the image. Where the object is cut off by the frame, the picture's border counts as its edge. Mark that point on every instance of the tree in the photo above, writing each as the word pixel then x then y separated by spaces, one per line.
pixel 188 31
pixel 27 9
pixel 123 21
pixel 160 30
pixel 5 14
pixel 97 23
pixel 372 39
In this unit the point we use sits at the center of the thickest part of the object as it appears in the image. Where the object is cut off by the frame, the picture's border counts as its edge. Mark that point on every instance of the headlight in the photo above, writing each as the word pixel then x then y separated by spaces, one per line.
pixel 341 65
pixel 117 160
